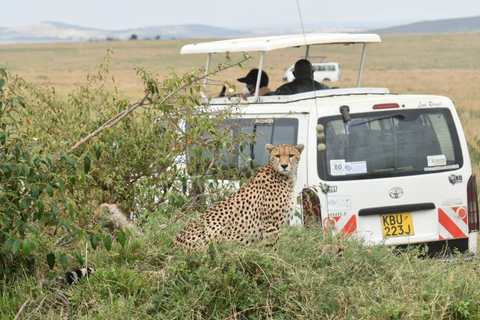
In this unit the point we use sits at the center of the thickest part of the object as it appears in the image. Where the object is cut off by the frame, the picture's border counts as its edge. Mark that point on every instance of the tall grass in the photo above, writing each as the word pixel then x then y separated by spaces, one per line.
pixel 151 279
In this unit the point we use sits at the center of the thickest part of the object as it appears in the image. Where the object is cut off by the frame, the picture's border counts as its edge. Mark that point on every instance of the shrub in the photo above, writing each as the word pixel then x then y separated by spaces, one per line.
pixel 33 183
pixel 61 159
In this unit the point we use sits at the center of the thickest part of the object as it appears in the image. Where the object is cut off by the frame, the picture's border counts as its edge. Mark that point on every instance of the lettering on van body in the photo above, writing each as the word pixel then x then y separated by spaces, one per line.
pixel 337 214
pixel 429 104
pixel 452 202
pixel 327 188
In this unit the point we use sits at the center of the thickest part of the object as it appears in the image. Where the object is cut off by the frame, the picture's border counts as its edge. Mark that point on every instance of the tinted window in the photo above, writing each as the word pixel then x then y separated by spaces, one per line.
pixel 262 131
pixel 389 143
pixel 324 68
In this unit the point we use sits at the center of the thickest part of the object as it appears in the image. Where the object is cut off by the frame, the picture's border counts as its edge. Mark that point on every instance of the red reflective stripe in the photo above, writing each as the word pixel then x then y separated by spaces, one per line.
pixel 351 225
pixel 448 224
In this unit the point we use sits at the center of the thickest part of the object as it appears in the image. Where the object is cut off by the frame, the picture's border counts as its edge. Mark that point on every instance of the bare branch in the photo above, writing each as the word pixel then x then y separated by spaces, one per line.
pixel 17 316
pixel 111 122
pixel 120 116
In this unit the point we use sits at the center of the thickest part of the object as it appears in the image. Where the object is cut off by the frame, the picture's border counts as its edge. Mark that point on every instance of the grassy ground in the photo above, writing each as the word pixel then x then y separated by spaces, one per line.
pixel 151 279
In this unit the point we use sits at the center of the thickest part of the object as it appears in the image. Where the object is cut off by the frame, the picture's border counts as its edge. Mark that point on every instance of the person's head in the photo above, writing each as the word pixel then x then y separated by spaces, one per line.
pixel 303 69
pixel 250 80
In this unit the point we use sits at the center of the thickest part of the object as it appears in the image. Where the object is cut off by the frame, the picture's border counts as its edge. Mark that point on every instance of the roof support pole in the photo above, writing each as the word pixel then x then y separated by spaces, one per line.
pixel 260 68
pixel 207 70
pixel 307 53
pixel 361 65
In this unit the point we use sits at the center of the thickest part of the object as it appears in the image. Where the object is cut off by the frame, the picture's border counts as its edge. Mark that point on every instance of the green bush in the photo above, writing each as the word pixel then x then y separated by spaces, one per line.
pixel 61 159
pixel 32 189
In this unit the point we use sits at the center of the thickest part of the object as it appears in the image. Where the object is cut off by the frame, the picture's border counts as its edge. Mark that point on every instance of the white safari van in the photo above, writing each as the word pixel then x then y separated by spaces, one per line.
pixel 387 168
pixel 322 71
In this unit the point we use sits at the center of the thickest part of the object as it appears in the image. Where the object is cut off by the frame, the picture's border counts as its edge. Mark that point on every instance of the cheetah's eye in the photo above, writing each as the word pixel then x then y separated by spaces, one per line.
pixel 292 155
pixel 278 156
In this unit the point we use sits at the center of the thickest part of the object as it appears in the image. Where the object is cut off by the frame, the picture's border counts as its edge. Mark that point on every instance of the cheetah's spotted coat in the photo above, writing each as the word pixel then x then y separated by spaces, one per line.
pixel 257 210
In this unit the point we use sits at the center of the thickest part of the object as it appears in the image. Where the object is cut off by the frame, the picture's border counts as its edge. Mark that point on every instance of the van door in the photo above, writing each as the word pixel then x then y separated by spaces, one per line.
pixel 395 177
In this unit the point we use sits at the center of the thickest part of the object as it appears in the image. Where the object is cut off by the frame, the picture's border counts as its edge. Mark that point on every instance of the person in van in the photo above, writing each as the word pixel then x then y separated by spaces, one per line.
pixel 304 82
pixel 250 81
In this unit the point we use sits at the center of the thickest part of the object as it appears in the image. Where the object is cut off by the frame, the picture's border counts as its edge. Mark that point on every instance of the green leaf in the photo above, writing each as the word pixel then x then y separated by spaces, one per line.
pixel 16 246
pixel 121 238
pixel 94 240
pixel 51 260
pixel 25 203
pixel 98 151
pixel 26 247
pixel 50 190
pixel 70 210
pixel 71 160
pixel 7 245
pixel 4 73
pixel 79 258
pixel 41 209
pixel 35 192
pixel 61 184
pixel 86 164
pixel 26 156
pixel 22 103
pixel 63 261
pixel 107 242
pixel 26 169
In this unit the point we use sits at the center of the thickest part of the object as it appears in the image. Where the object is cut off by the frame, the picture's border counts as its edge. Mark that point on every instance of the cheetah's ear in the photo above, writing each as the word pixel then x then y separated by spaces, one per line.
pixel 269 147
pixel 300 147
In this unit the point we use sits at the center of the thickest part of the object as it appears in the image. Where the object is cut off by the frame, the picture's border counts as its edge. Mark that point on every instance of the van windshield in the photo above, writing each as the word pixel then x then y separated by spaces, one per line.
pixel 389 143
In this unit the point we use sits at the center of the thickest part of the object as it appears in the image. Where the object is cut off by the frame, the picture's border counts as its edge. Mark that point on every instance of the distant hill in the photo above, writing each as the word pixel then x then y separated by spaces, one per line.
pixel 179 32
pixel 53 31
pixel 50 31
pixel 471 24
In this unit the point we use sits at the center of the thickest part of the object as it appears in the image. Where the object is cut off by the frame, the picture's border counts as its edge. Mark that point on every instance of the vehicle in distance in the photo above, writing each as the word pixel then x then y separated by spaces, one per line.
pixel 323 71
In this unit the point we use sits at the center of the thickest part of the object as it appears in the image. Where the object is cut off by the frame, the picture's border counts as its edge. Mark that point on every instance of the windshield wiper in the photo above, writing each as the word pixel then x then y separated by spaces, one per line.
pixel 398 115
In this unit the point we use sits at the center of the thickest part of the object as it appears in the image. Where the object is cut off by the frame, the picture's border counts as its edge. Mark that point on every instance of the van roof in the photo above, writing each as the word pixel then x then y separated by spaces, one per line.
pixel 359 99
pixel 264 44
pixel 277 42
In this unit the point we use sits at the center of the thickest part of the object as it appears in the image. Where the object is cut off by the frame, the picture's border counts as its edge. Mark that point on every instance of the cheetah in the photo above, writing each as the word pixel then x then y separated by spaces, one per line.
pixel 256 211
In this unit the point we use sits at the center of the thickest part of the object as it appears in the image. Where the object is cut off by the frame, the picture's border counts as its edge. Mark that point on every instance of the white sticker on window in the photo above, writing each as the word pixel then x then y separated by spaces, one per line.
pixel 337 167
pixel 437 160
pixel 355 167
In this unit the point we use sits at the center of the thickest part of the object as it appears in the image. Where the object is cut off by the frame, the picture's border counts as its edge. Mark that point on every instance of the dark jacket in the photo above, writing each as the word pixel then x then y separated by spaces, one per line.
pixel 300 85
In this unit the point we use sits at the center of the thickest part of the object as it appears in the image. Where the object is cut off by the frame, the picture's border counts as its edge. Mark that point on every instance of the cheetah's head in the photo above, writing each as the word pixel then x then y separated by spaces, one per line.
pixel 284 158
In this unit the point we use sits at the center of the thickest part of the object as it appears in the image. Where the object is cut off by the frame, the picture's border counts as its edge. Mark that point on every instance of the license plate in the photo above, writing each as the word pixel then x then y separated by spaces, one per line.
pixel 397 225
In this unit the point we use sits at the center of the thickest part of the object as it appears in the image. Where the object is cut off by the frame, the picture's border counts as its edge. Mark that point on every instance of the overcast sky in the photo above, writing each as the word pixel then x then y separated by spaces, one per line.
pixel 127 14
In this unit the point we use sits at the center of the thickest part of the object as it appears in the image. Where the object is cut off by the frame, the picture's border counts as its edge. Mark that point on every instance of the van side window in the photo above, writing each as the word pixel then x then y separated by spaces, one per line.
pixel 381 144
pixel 261 132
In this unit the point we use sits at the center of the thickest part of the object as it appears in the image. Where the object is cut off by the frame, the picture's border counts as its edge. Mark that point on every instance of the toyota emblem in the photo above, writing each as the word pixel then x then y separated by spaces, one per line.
pixel 396 193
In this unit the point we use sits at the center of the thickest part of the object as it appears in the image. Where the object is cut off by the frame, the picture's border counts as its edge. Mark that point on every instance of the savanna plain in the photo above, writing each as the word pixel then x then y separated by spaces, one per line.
pixel 149 278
